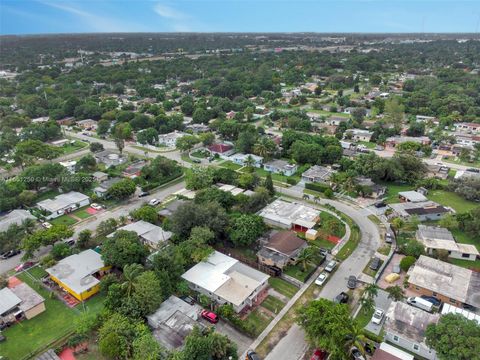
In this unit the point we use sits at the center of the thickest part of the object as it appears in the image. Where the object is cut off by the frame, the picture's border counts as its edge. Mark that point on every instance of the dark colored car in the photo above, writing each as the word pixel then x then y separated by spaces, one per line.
pixel 9 254
pixel 432 299
pixel 143 194
pixel 209 316
pixel 375 263
pixel 252 355
pixel 188 299
pixel 323 251
pixel 352 282
pixel 341 298
pixel 380 204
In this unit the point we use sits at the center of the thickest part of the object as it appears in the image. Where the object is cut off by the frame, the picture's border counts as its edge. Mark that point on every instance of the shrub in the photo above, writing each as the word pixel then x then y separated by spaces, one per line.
pixel 406 262
pixel 317 187
pixel 291 181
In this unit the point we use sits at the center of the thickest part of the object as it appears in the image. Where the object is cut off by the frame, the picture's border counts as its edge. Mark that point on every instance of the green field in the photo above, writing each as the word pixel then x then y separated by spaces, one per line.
pixel 258 321
pixel 82 213
pixel 283 287
pixel 324 217
pixel 363 318
pixel 56 322
pixel 70 148
pixel 230 165
pixel 297 271
pixel 393 189
pixel 273 304
pixel 448 198
pixel 63 220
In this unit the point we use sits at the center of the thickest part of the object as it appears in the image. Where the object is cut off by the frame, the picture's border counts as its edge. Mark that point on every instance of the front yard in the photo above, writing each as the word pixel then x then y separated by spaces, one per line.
pixel 273 304
pixel 283 287
pixel 63 220
pixel 57 322
pixel 77 145
pixel 298 272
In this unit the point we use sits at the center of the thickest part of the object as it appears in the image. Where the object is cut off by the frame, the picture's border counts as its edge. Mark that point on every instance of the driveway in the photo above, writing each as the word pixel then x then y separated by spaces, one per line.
pixel 381 302
pixel 242 341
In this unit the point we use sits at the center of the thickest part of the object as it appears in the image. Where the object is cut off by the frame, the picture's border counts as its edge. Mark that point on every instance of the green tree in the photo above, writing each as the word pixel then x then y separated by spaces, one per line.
pixel 198 177
pixel 454 337
pixel 96 147
pixel 407 262
pixel 187 142
pixel 130 274
pixel 246 229
pixel 305 256
pixel 145 213
pixel 148 292
pixel 103 126
pixel 146 347
pixel 122 189
pixel 269 184
pixel 395 293
pixel 123 248
pixel 84 239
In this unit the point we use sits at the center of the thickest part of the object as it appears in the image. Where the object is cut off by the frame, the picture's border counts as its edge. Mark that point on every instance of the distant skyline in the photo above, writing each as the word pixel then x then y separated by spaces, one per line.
pixel 377 16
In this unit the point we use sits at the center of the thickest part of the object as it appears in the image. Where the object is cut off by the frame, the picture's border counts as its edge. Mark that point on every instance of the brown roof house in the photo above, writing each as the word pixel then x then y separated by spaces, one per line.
pixel 281 249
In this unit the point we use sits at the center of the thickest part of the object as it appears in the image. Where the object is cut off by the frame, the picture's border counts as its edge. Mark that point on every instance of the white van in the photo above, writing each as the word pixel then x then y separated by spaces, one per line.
pixel 420 303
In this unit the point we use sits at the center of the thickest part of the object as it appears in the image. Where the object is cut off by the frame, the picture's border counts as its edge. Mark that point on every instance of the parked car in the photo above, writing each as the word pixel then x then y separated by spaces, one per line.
pixel 330 266
pixel 356 354
pixel 196 161
pixel 377 316
pixel 46 225
pixel 420 303
pixel 375 263
pixel 188 299
pixel 154 202
pixel 69 242
pixel 432 299
pixel 143 194
pixel 324 251
pixel 380 204
pixel 24 266
pixel 209 316
pixel 321 278
pixel 396 269
pixel 96 206
pixel 319 354
pixel 9 254
pixel 388 238
pixel 341 298
pixel 252 355
pixel 352 282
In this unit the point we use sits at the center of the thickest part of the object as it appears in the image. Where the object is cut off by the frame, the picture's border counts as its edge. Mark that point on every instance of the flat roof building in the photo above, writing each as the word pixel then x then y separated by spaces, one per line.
pixel 425 210
pixel 290 215
pixel 412 196
pixel 63 203
pixel 318 174
pixel 151 235
pixel 14 217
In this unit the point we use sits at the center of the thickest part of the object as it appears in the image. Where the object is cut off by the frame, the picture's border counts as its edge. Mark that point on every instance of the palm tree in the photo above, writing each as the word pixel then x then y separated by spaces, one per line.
pixel 371 291
pixel 28 225
pixel 306 197
pixel 355 338
pixel 397 223
pixel 249 162
pixel 395 293
pixel 130 273
pixel 305 256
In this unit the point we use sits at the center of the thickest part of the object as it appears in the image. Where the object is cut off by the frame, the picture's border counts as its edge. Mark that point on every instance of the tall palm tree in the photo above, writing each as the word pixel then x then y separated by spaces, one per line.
pixel 371 291
pixel 28 225
pixel 355 338
pixel 305 256
pixel 130 273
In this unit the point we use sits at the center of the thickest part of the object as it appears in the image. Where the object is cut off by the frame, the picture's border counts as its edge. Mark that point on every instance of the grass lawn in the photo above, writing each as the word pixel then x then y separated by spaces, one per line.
pixel 393 189
pixel 371 272
pixel 448 198
pixel 259 320
pixel 322 243
pixel 297 271
pixel 350 245
pixel 63 220
pixel 230 165
pixel 462 237
pixel 56 322
pixel 70 148
pixel 82 213
pixel 273 304
pixel 50 194
pixel 460 162
pixel 472 265
pixel 325 217
pixel 363 318
pixel 283 287
pixel 329 113
pixel 367 144
pixel 275 177
pixel 384 250
pixel 186 158
pixel 200 154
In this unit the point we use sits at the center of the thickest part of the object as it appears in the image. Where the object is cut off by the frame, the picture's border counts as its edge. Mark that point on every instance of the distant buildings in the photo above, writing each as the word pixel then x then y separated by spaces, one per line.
pixel 471 128
pixel 170 139
pixel 244 159
pixel 102 189
pixel 360 135
pixel 280 167
pixel 224 150
pixel 14 217
pixel 110 158
pixel 372 190
pixel 227 281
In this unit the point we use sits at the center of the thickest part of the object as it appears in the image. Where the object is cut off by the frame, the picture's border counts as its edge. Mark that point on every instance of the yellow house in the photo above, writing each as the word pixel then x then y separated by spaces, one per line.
pixel 79 274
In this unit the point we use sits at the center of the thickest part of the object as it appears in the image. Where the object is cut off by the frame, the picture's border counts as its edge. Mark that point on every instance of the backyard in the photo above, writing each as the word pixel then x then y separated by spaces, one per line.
pixel 26 339
pixel 273 304
pixel 298 272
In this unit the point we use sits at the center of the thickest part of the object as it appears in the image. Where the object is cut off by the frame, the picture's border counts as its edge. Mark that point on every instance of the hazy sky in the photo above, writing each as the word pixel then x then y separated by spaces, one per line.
pixel 62 16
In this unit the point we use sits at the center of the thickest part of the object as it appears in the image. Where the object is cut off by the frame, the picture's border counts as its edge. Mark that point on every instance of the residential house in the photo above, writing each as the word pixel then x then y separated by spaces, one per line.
pixel 372 190
pixel 41 119
pixel 233 189
pixel 173 321
pixel 102 189
pixel 87 124
pixel 290 215
pixel 359 134
pixel 436 238
pixel 134 170
pixel 471 128
pixel 151 235
pixel 197 128
pixel 318 174
pixel 170 208
pixel 465 140
pixel 231 114
pixel 465 174
pixel 393 141
pixel 437 171
pixel 69 165
pixel 425 210
pixel 449 283
pixel 100 176
pixel 227 281
pixel 17 217
pixel 405 327
pixel 244 159
pixel 20 301
pixel 67 121
pixel 110 158
pixel 411 196
pixel 63 204
pixel 79 274
pixel 426 119
pixel 170 139
pixel 336 120
pixel 389 352
pixel 280 167
pixel 224 150
pixel 282 249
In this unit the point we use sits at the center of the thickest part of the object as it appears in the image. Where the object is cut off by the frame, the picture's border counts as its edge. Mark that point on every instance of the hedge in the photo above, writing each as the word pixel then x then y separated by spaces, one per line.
pixel 317 187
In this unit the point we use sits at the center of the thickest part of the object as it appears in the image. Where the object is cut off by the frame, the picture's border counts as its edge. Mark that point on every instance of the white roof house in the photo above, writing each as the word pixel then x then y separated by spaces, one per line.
pixel 76 271
pixel 232 189
pixel 63 203
pixel 8 301
pixel 152 235
pixel 227 280
pixel 170 139
pixel 412 196
pixel 290 215
pixel 14 217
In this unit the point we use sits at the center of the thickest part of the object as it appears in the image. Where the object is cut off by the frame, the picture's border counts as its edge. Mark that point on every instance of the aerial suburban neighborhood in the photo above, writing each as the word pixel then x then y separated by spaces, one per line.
pixel 217 196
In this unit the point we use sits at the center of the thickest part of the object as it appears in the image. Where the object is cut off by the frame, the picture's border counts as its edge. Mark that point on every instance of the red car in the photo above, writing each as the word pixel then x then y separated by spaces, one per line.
pixel 24 266
pixel 319 355
pixel 209 316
